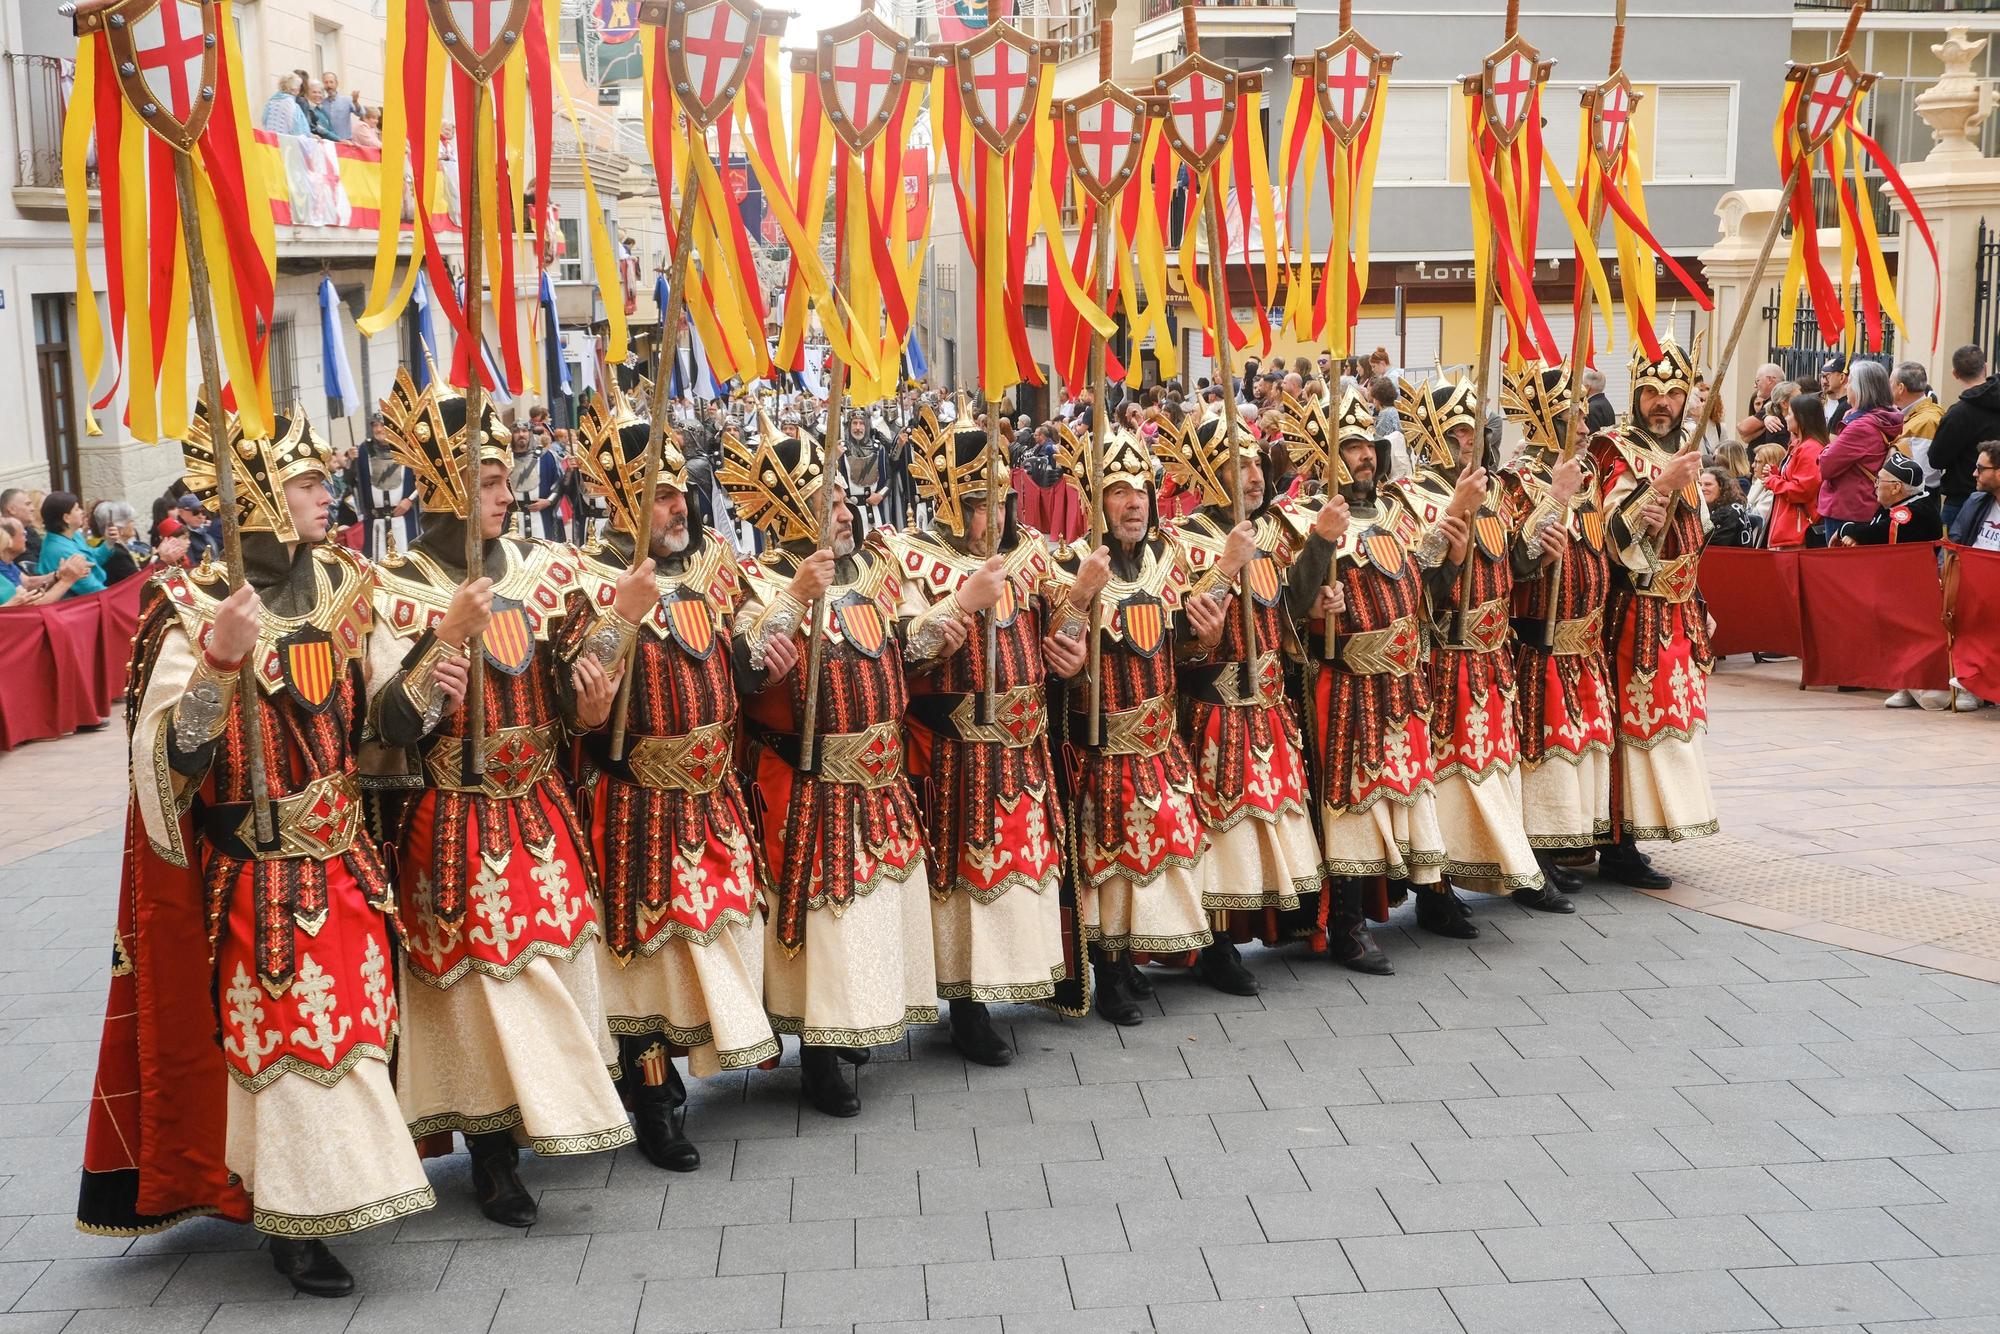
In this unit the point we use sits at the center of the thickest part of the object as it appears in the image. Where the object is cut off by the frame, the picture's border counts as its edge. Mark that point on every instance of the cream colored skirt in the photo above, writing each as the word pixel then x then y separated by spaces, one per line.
pixel 1163 916
pixel 1666 789
pixel 324 1162
pixel 1007 950
pixel 862 977
pixel 1257 864
pixel 1485 837
pixel 531 1054
pixel 706 998
pixel 1566 798
pixel 1397 839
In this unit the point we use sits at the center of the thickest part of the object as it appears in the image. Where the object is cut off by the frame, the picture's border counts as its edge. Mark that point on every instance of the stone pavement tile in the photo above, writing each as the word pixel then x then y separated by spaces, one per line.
pixel 1408 1312
pixel 1030 1069
pixel 1326 1088
pixel 1275 1025
pixel 1685 973
pixel 1633 1109
pixel 986 1107
pixel 1157 1137
pixel 994 1287
pixel 612 1308
pixel 1852 1184
pixel 1858 1096
pixel 1044 1142
pixel 1516 1114
pixel 1802 966
pixel 1958 1286
pixel 1962 1176
pixel 1557 1307
pixel 1795 998
pixel 424 1312
pixel 1110 1182
pixel 1353 1021
pixel 1106 1320
pixel 971 1324
pixel 218 1276
pixel 1740 1144
pixel 1693 1032
pixel 1687 1002
pixel 1324 1214
pixel 1433 1260
pixel 1237 1058
pixel 893 1150
pixel 1966 1051
pixel 1210 1176
pixel 1756 1065
pixel 1653 1068
pixel 1509 983
pixel 1279 1269
pixel 599 1210
pixel 1501 1158
pixel 1087 1102
pixel 1360 1166
pixel 799 1156
pixel 872 1195
pixel 1481 1011
pixel 1965 1090
pixel 776 1248
pixel 1578 978
pixel 1065 1230
pixel 1771 1100
pixel 1690 1303
pixel 184 1319
pixel 1368 1051
pixel 1456 1207
pixel 1396 1123
pixel 1610 1198
pixel 1588 1038
pixel 1428 1083
pixel 1456 1045
pixel 1574 1250
pixel 397 1266
pixel 1775 1030
pixel 1879 1056
pixel 55 1237
pixel 1904 988
pixel 1721 1190
pixel 1822 1294
pixel 1960 1132
pixel 637 1257
pixel 1128 1065
pixel 1599 1151
pixel 1671 1245
pixel 1887 1021
pixel 322 1316
pixel 497 1264
pixel 52 1322
pixel 70 1285
pixel 1267 1315
pixel 1153 1225
pixel 1287 1128
pixel 841 1297
pixel 1200 1096
pixel 1841 1236
pixel 957 1190
pixel 1144 1277
pixel 699 1200
pixel 1953 1228
pixel 1974 1016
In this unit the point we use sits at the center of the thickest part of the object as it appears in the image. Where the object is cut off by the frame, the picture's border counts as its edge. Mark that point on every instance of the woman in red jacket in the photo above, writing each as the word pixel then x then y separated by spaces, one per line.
pixel 1794 488
pixel 1847 467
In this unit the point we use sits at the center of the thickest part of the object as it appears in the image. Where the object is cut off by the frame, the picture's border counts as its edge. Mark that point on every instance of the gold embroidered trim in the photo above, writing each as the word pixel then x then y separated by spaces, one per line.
pixel 357 1219
pixel 880 1036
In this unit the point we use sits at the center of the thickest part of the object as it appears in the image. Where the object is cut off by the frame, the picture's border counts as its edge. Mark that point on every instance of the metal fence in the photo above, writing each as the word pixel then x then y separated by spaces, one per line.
pixel 1986 293
pixel 37 91
pixel 1801 361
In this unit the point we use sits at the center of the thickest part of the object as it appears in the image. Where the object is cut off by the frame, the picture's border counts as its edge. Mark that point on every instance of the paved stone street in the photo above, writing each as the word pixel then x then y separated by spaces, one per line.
pixel 1646 1117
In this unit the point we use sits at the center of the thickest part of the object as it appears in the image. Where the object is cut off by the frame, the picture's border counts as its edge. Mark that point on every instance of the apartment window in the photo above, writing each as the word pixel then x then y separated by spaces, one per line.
pixel 569 265
pixel 284 367
pixel 1416 135
pixel 1696 138
pixel 326 50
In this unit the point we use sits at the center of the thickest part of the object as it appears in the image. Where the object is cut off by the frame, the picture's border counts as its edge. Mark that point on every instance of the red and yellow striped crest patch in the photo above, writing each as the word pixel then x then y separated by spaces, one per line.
pixel 862 626
pixel 509 643
pixel 693 627
pixel 306 661
pixel 1143 622
pixel 1009 604
pixel 1593 528
pixel 1385 553
pixel 1491 534
pixel 1262 576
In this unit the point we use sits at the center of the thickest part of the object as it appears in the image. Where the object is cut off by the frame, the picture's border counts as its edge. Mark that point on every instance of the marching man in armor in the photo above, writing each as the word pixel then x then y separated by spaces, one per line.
pixel 670 833
pixel 848 962
pixel 290 1123
pixel 506 1041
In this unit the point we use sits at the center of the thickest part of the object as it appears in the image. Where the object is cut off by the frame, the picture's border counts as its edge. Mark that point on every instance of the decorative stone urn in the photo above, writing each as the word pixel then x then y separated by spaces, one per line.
pixel 1958 103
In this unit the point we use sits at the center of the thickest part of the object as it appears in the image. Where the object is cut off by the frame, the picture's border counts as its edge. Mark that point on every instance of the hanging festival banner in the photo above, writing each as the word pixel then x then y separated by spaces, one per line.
pixel 1105 143
pixel 1337 97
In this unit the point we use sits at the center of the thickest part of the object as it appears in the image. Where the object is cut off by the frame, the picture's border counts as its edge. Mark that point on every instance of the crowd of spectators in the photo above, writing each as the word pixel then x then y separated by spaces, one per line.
pixel 315 108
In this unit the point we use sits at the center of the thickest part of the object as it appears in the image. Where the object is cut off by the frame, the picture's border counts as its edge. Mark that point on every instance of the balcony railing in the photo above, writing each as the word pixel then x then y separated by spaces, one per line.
pixel 37 91
pixel 1909 6
pixel 1153 9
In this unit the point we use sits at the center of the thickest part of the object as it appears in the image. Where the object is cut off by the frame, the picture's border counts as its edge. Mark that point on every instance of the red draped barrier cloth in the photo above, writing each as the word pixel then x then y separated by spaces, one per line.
pixel 1975 622
pixel 1754 597
pixel 62 666
pixel 1873 617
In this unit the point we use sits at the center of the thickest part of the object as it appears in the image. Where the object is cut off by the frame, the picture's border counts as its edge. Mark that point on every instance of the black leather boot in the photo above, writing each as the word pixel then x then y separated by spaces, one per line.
pixel 1561 877
pixel 496 1179
pixel 659 1111
pixel 1443 913
pixel 1115 1002
pixel 1543 898
pixel 1136 979
pixel 824 1086
pixel 310 1267
pixel 1349 943
pixel 1220 966
pixel 972 1033
pixel 1622 863
pixel 854 1055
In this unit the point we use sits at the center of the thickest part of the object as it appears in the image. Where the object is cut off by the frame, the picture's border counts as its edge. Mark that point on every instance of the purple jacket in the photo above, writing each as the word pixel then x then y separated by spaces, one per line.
pixel 1847 467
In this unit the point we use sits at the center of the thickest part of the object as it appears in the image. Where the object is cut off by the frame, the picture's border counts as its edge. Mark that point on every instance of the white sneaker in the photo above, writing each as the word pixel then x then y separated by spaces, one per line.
pixel 1964 701
pixel 1902 699
pixel 1936 701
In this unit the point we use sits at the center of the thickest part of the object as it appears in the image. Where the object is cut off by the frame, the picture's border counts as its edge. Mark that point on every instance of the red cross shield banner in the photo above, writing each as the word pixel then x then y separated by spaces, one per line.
pixel 708 54
pixel 692 626
pixel 1102 132
pixel 999 74
pixel 861 624
pixel 165 57
pixel 1826 91
pixel 307 664
pixel 1347 77
pixel 509 643
pixel 1611 104
pixel 860 66
pixel 1143 622
pixel 1200 98
pixel 1508 81
pixel 478 35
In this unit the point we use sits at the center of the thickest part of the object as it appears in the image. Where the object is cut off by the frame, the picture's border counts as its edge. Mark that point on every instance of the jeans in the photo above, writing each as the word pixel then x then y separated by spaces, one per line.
pixel 1949 511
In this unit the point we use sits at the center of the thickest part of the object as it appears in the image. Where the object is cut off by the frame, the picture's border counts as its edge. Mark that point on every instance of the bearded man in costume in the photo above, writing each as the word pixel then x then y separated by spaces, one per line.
pixel 1250 776
pixel 983 779
pixel 1475 739
pixel 286 1117
pixel 1655 632
pixel 1136 843
pixel 1563 702
pixel 847 957
pixel 670 831
pixel 506 1042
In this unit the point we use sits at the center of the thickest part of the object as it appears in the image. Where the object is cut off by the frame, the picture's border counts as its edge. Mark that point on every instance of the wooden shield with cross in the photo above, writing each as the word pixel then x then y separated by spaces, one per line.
pixel 165 55
pixel 1198 99
pixel 1827 90
pixel 710 48
pixel 478 35
pixel 999 74
pixel 860 67
pixel 1610 106
pixel 1102 132
pixel 1507 83
pixel 1347 75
